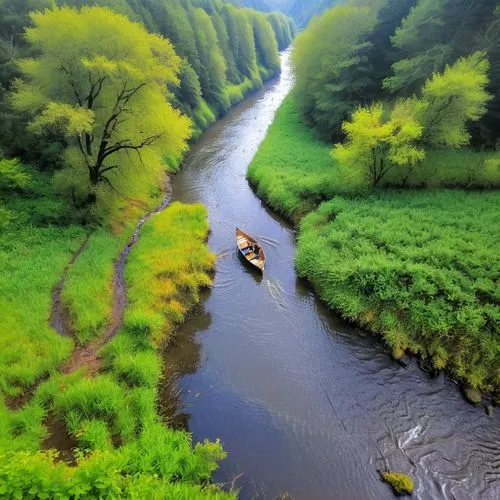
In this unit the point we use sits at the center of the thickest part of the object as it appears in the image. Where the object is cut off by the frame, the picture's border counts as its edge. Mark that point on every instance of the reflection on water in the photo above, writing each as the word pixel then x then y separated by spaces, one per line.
pixel 303 402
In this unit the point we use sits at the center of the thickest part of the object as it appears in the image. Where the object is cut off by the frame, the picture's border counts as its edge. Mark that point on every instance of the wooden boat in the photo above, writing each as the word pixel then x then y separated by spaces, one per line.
pixel 251 250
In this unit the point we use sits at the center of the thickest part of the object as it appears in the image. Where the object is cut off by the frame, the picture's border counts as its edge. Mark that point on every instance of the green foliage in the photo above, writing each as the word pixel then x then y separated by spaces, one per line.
pixel 265 42
pixel 453 98
pixel 404 265
pixel 39 475
pixel 12 176
pixel 376 146
pixel 402 484
pixel 330 46
pixel 292 169
pixel 34 249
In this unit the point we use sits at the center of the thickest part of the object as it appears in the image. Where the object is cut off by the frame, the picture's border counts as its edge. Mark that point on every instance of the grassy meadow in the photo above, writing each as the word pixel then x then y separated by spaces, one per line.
pixel 419 266
pixel 35 247
pixel 112 417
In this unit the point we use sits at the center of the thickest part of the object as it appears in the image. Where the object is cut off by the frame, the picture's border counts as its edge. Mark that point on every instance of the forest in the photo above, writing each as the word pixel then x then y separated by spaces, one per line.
pixel 386 156
pixel 99 100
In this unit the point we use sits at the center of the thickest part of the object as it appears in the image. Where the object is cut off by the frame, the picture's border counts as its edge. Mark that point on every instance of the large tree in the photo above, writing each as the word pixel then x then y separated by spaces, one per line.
pixel 101 80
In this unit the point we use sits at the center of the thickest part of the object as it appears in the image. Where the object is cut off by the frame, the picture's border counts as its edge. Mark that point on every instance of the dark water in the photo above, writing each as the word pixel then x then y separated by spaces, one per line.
pixel 302 402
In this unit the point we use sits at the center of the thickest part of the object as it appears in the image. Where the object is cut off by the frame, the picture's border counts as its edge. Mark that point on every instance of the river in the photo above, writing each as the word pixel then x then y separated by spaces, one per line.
pixel 303 403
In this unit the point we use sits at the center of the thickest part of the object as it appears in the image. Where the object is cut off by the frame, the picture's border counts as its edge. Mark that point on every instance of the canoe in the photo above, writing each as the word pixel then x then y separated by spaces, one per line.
pixel 250 249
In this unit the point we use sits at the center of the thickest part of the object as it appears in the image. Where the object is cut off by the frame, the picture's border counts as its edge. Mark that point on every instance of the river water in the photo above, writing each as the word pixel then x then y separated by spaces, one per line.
pixel 303 403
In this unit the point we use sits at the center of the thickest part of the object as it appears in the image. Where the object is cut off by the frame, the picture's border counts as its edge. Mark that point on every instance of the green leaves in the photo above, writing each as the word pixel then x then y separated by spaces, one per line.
pixel 65 119
pixel 453 98
pixel 375 145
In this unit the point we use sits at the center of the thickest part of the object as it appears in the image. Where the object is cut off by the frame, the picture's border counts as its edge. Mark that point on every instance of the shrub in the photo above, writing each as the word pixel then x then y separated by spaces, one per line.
pixel 402 484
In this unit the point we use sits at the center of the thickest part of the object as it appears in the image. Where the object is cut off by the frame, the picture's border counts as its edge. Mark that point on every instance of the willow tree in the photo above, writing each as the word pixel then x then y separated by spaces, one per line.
pixel 101 81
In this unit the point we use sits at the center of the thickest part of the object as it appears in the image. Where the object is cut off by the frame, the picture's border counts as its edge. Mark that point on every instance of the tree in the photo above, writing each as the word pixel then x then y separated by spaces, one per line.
pixel 323 54
pixel 100 80
pixel 265 42
pixel 452 99
pixel 213 66
pixel 449 100
pixel 436 33
pixel 375 145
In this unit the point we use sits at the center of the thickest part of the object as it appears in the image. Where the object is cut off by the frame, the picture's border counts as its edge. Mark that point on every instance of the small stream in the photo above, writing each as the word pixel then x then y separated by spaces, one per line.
pixel 304 403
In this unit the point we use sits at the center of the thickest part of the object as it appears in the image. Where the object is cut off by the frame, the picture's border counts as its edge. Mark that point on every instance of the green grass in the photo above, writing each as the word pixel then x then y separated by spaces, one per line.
pixel 418 267
pixel 35 247
pixel 292 170
pixel 462 168
pixel 88 289
pixel 124 448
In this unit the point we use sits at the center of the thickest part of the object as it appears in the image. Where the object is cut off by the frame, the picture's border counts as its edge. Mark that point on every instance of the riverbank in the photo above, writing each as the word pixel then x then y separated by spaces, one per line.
pixel 103 419
pixel 400 263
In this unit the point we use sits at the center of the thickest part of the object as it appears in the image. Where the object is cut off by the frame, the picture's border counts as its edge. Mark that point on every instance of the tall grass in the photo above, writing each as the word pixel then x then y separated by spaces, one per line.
pixel 124 448
pixel 35 247
pixel 421 268
pixel 88 288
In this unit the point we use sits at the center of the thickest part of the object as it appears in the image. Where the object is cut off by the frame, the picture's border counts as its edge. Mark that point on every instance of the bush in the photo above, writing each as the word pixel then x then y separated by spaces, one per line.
pixel 402 484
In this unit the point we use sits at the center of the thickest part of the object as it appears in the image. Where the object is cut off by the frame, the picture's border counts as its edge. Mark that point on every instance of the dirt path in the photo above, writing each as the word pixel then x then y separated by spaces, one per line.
pixel 87 356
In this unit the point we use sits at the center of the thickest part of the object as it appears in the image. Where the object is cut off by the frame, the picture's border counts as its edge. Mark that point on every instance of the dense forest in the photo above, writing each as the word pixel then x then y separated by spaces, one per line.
pixel 225 52
pixel 98 101
pixel 394 98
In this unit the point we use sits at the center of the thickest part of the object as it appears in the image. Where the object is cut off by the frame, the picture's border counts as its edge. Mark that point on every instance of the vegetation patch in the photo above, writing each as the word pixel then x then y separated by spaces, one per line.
pixel 418 267
pixel 35 247
pixel 123 445
pixel 292 169
pixel 401 483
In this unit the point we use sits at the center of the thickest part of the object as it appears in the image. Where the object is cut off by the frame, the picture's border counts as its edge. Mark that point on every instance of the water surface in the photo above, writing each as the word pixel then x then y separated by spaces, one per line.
pixel 303 402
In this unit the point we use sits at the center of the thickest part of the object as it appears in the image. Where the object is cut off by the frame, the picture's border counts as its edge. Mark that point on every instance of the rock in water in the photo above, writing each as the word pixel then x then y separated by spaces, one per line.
pixel 473 396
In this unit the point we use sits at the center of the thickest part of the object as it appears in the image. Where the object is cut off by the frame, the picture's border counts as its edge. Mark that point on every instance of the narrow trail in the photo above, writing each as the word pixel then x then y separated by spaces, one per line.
pixel 87 356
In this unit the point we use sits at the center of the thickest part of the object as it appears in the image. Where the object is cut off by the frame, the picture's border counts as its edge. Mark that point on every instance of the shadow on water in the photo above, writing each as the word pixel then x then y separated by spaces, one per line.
pixel 302 401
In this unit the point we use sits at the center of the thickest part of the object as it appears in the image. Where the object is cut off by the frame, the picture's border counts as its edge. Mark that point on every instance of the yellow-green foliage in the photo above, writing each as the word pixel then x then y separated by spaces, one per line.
pixel 402 484
pixel 100 80
pixel 454 97
pixel 166 268
pixel 236 92
pixel 34 249
pixel 375 145
pixel 40 475
pixel 418 267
